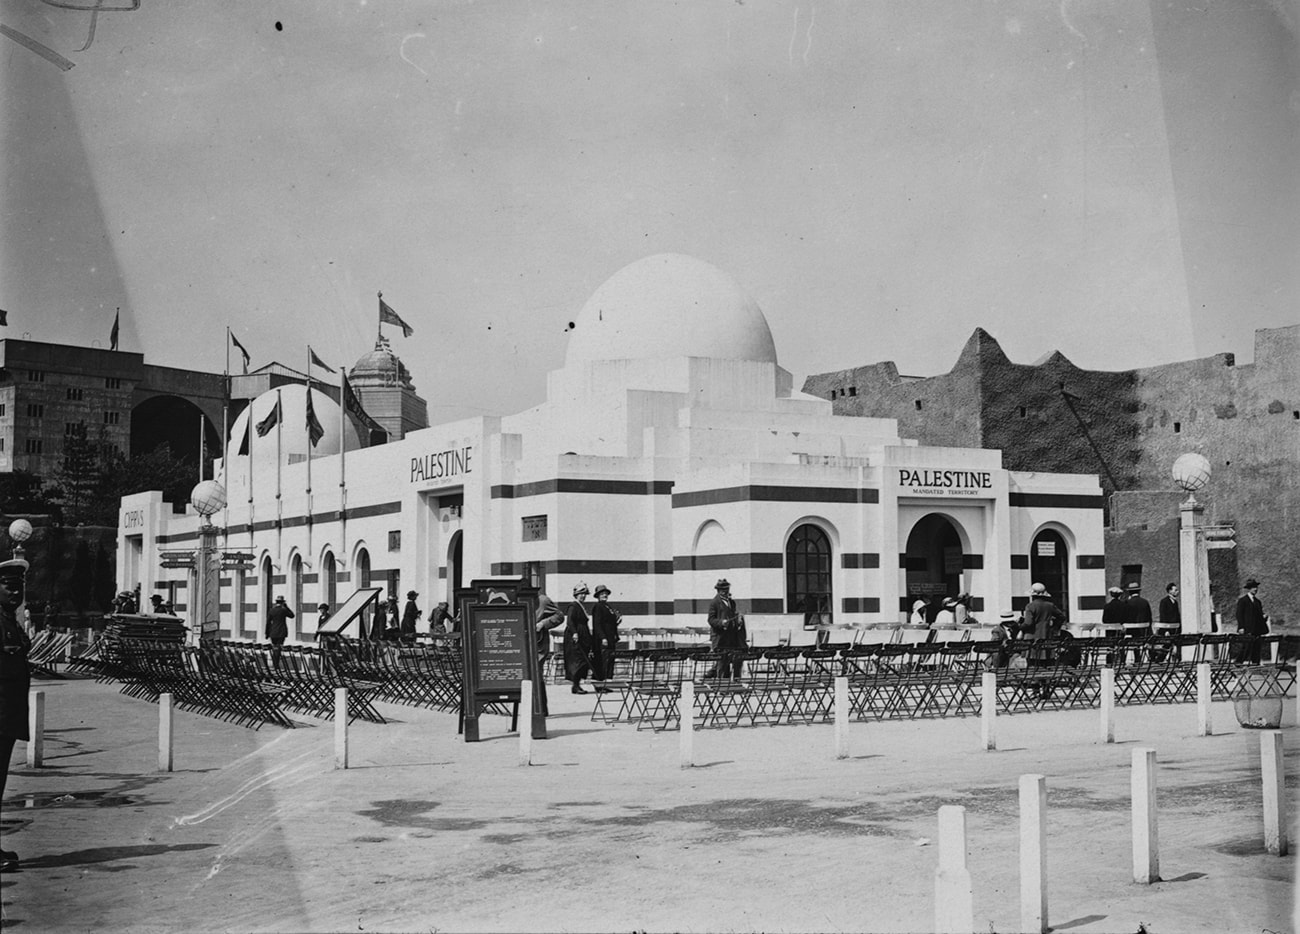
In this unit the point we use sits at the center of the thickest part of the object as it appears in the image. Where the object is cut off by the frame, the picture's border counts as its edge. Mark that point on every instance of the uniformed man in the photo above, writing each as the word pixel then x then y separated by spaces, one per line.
pixel 15 676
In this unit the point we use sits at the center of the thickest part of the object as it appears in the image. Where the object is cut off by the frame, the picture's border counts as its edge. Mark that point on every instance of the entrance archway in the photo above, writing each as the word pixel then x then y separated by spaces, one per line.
pixel 932 562
pixel 1049 565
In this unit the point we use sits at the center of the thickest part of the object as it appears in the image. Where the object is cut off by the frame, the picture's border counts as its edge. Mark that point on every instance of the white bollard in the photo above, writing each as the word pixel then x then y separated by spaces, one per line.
pixel 166 721
pixel 1204 721
pixel 1146 841
pixel 526 731
pixel 841 718
pixel 1033 853
pixel 35 729
pixel 989 711
pixel 1274 775
pixel 686 717
pixel 954 900
pixel 1108 705
pixel 340 728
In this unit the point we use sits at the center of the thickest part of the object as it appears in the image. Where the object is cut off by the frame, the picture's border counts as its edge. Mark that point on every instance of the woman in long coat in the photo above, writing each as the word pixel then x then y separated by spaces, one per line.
pixel 604 635
pixel 577 640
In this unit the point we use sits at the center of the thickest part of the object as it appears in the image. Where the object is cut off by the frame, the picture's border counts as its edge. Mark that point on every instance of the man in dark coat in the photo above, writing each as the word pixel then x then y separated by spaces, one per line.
pixel 577 640
pixel 1112 614
pixel 1137 612
pixel 410 616
pixel 1170 613
pixel 549 617
pixel 15 676
pixel 726 631
pixel 277 628
pixel 1042 621
pixel 1251 620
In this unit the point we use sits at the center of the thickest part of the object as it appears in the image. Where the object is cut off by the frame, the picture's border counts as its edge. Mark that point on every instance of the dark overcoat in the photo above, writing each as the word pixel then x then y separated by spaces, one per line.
pixel 577 643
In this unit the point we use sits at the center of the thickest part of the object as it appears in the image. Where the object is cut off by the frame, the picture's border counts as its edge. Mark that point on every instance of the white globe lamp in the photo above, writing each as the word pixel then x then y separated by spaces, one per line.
pixel 1191 472
pixel 19 531
pixel 208 498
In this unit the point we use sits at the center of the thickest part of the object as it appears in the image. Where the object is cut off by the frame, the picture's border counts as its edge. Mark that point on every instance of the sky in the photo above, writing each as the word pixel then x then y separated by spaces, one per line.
pixel 1119 181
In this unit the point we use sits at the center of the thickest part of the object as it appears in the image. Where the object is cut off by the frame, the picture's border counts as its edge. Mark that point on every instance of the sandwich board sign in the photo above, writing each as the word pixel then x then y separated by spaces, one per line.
pixel 498 651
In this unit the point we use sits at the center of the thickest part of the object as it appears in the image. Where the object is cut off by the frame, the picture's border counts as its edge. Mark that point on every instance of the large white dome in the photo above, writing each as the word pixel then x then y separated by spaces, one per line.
pixel 667 306
pixel 293 430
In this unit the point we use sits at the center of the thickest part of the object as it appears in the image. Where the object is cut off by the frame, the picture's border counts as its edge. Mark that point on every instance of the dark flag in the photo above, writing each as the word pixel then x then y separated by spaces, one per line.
pixel 352 405
pixel 112 337
pixel 240 348
pixel 243 441
pixel 4 318
pixel 388 316
pixel 314 429
pixel 265 425
pixel 317 361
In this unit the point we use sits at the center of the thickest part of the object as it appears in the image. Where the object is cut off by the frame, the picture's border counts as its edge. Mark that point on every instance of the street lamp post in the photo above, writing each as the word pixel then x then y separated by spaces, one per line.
pixel 207 498
pixel 1192 472
pixel 19 531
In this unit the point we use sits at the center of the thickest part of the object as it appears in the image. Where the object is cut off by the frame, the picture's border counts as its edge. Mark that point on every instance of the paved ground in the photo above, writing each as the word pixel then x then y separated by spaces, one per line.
pixel 256 831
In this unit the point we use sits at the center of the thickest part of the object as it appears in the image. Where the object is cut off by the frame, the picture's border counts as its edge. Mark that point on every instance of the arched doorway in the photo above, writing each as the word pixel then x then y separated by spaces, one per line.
pixel 808 575
pixel 363 580
pixel 329 580
pixel 933 563
pixel 1049 565
pixel 295 589
pixel 455 564
pixel 268 596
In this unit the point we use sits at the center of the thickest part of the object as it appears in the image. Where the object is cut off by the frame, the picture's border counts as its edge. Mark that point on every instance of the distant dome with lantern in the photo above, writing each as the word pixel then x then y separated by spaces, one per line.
pixel 380 367
pixel 293 427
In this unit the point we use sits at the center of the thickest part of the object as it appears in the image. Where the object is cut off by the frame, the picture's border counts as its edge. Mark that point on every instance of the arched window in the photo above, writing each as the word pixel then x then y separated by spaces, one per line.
pixel 295 590
pixel 329 580
pixel 808 574
pixel 268 597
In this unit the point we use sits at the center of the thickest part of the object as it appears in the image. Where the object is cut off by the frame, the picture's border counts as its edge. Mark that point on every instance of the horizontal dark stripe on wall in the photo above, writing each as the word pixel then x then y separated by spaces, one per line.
pixel 1057 500
pixel 753 559
pixel 643 607
pixel 278 579
pixel 250 580
pixel 701 607
pixel 861 604
pixel 972 562
pixel 577 485
pixel 180 607
pixel 241 528
pixel 856 560
pixel 223 607
pixel 310 578
pixel 343 576
pixel 1020 562
pixel 1092 603
pixel 774 494
pixel 250 607
pixel 1091 562
pixel 442 574
pixel 579 566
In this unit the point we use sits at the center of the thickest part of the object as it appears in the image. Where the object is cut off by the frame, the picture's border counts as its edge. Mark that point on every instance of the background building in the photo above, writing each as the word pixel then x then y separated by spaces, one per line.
pixel 1129 426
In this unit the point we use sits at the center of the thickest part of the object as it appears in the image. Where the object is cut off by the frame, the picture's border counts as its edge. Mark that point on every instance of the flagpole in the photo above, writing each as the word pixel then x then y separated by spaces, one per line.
pixel 379 328
pixel 225 448
pixel 202 447
pixel 279 503
pixel 343 465
pixel 308 408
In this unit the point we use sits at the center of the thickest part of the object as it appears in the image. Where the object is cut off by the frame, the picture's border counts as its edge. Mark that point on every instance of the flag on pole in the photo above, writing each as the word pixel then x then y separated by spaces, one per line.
pixel 314 360
pixel 314 429
pixel 112 337
pixel 388 316
pixel 240 348
pixel 352 405
pixel 265 425
pixel 4 318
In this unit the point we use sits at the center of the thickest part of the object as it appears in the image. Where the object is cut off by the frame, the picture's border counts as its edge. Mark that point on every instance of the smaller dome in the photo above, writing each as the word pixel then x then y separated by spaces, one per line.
pixel 380 367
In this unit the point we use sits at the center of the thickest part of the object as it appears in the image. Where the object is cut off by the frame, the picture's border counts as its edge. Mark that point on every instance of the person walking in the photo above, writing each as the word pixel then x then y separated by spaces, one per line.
pixel 1137 617
pixel 604 637
pixel 323 613
pixel 410 616
pixel 726 632
pixel 1042 619
pixel 15 677
pixel 549 618
pixel 441 620
pixel 577 639
pixel 1251 620
pixel 277 628
pixel 1170 613
pixel 1112 614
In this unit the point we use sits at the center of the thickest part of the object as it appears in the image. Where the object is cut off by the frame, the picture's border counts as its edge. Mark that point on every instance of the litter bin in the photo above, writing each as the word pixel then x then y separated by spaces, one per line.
pixel 1257 698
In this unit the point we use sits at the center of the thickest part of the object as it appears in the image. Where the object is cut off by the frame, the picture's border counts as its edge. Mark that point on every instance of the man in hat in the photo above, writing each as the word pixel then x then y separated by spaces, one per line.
pixel 15 676
pixel 441 620
pixel 1112 614
pixel 726 631
pixel 1042 618
pixel 1251 620
pixel 410 616
pixel 946 618
pixel 277 628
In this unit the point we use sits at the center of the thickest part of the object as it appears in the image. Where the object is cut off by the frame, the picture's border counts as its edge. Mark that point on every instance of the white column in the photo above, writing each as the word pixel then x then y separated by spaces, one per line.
pixel 35 729
pixel 686 715
pixel 841 718
pixel 340 728
pixel 954 902
pixel 1107 705
pixel 1193 568
pixel 1273 773
pixel 526 728
pixel 1146 842
pixel 989 711
pixel 1204 720
pixel 1033 853
pixel 166 721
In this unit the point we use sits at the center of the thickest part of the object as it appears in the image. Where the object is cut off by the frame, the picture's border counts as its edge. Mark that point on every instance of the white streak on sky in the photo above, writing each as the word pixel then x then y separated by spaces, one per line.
pixel 794 32
pixel 812 18
pixel 401 50
pixel 1065 18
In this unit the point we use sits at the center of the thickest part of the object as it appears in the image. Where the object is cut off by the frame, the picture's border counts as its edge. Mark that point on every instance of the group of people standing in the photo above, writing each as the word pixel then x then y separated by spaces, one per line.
pixel 590 636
